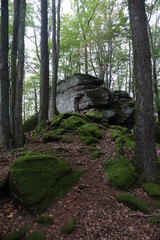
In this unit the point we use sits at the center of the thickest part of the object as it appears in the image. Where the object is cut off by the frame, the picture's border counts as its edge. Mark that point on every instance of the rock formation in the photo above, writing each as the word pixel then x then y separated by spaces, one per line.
pixel 82 92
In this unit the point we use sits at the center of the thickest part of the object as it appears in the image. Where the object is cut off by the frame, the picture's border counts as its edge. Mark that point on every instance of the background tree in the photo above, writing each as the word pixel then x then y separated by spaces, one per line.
pixel 55 54
pixel 145 135
pixel 18 134
pixel 44 98
pixel 4 77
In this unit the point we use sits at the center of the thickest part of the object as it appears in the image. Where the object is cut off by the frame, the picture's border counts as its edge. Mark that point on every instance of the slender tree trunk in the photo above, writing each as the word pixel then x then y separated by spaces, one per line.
pixel 4 78
pixel 55 55
pixel 44 98
pixel 14 62
pixel 145 135
pixel 154 72
pixel 19 138
pixel 35 98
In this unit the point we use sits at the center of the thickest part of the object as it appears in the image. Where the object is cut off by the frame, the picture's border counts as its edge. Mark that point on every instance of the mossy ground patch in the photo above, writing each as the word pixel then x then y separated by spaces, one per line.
pixel 36 181
pixel 120 173
pixel 133 202
pixel 69 227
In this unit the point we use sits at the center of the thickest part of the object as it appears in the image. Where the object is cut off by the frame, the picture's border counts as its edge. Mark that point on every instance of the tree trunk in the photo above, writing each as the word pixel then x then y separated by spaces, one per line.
pixel 19 138
pixel 4 78
pixel 14 62
pixel 44 98
pixel 55 56
pixel 145 134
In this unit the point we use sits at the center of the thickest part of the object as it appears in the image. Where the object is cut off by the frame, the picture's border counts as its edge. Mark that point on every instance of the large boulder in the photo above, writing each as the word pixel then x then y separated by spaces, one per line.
pixel 35 181
pixel 82 92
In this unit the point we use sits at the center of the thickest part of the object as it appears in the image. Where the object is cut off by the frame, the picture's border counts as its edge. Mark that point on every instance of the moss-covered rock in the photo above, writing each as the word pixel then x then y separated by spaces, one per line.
pixel 94 116
pixel 152 189
pixel 35 236
pixel 120 173
pixel 120 128
pixel 36 181
pixel 56 122
pixel 45 219
pixel 88 140
pixel 4 188
pixel 90 130
pixel 51 137
pixel 40 127
pixel 31 123
pixel 72 123
pixel 154 220
pixel 17 235
pixel 69 227
pixel 133 202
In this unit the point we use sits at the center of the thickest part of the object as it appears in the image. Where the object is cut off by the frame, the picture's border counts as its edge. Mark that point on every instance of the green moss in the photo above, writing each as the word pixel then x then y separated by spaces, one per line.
pixel 116 134
pixel 94 116
pixel 96 154
pixel 120 173
pixel 90 130
pixel 120 128
pixel 4 188
pixel 36 181
pixel 69 227
pixel 40 127
pixel 105 124
pixel 59 131
pixel 72 123
pixel 154 220
pixel 88 140
pixel 17 235
pixel 51 137
pixel 92 148
pixel 133 202
pixel 56 122
pixel 67 140
pixel 130 144
pixel 157 204
pixel 44 219
pixel 152 189
pixel 31 123
pixel 35 236
pixel 119 150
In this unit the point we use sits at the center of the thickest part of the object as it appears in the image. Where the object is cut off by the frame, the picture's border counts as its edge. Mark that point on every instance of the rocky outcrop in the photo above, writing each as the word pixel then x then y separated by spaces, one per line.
pixel 82 92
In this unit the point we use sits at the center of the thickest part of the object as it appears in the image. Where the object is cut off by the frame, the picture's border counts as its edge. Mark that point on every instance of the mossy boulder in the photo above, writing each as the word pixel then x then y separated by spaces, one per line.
pixel 72 123
pixel 36 181
pixel 17 235
pixel 45 219
pixel 51 137
pixel 56 122
pixel 120 128
pixel 90 130
pixel 4 188
pixel 120 173
pixel 31 123
pixel 133 202
pixel 35 236
pixel 94 116
pixel 153 190
pixel 69 227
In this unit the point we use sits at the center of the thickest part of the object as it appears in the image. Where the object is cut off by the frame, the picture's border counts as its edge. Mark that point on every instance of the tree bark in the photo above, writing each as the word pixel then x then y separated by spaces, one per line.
pixel 14 62
pixel 55 55
pixel 44 98
pixel 4 78
pixel 19 138
pixel 145 134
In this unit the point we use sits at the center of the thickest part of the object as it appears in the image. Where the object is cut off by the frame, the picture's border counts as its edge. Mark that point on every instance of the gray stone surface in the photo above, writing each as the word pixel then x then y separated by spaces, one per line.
pixel 82 92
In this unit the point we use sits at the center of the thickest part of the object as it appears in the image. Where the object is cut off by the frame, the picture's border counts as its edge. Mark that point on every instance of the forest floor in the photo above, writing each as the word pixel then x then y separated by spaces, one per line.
pixel 91 203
